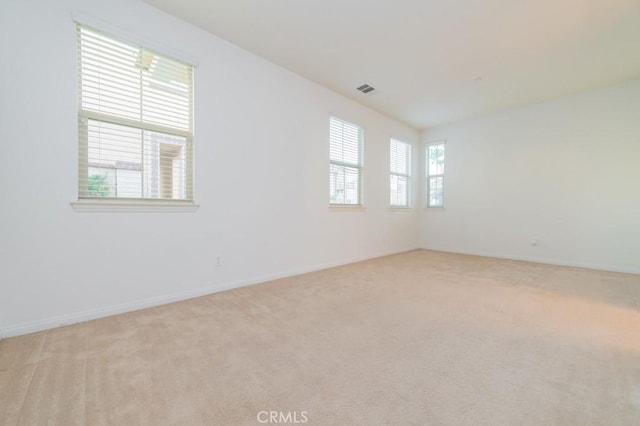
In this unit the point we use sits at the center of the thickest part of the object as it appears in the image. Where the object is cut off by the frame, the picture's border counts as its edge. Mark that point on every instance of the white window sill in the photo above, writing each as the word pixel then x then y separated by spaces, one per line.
pixel 111 205
pixel 346 207
pixel 401 208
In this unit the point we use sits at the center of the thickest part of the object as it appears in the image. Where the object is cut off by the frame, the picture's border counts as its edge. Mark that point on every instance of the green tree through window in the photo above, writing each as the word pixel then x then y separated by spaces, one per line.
pixel 98 185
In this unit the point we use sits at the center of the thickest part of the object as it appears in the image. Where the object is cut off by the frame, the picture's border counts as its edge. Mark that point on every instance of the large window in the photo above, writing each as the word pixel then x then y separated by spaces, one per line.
pixel 435 174
pixel 135 121
pixel 345 169
pixel 400 172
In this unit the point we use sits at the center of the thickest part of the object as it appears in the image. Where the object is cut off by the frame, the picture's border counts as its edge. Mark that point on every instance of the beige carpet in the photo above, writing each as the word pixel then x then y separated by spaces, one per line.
pixel 421 338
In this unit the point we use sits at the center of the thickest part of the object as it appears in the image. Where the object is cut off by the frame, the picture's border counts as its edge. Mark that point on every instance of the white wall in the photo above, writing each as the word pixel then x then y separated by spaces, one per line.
pixel 261 145
pixel 565 172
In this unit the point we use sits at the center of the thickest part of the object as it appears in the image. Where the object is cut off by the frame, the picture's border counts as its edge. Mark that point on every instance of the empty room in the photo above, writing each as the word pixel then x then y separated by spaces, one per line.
pixel 246 212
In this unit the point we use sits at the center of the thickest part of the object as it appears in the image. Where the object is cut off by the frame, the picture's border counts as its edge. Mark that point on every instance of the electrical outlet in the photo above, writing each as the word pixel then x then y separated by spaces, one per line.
pixel 534 242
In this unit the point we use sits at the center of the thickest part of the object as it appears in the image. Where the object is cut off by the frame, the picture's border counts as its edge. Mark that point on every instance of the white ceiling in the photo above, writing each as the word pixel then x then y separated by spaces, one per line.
pixel 424 56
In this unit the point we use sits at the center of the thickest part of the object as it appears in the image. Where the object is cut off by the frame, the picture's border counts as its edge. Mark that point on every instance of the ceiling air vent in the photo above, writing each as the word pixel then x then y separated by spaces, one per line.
pixel 366 89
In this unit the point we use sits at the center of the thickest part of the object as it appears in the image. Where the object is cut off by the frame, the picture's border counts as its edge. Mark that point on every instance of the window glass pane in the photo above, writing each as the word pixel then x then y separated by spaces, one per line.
pixel 129 183
pixel 399 191
pixel 399 154
pixel 116 152
pixel 110 79
pixel 114 146
pixel 135 163
pixel 344 185
pixel 166 92
pixel 344 142
pixel 129 82
pixel 435 159
pixel 436 191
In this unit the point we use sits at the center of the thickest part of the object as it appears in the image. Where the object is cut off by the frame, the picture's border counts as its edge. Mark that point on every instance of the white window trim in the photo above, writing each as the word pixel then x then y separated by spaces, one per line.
pixel 360 166
pixel 427 191
pixel 135 205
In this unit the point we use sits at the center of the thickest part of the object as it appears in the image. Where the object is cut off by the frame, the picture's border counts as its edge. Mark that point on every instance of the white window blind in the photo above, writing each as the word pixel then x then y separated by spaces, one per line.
pixel 345 175
pixel 135 121
pixel 435 175
pixel 400 172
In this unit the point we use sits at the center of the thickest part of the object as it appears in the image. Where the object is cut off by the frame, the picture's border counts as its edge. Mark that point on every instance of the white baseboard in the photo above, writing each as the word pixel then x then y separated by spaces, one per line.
pixel 599 267
pixel 77 317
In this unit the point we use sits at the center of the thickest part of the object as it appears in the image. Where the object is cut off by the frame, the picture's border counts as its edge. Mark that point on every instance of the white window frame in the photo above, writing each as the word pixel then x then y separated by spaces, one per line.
pixel 104 204
pixel 429 176
pixel 359 165
pixel 406 176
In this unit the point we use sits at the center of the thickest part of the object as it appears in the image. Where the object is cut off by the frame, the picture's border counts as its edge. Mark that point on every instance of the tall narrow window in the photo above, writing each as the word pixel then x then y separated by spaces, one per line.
pixel 345 168
pixel 400 172
pixel 435 175
pixel 135 121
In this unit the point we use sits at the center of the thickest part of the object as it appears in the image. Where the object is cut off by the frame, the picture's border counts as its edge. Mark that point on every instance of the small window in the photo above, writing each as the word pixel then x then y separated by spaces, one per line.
pixel 135 121
pixel 400 172
pixel 435 175
pixel 345 168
